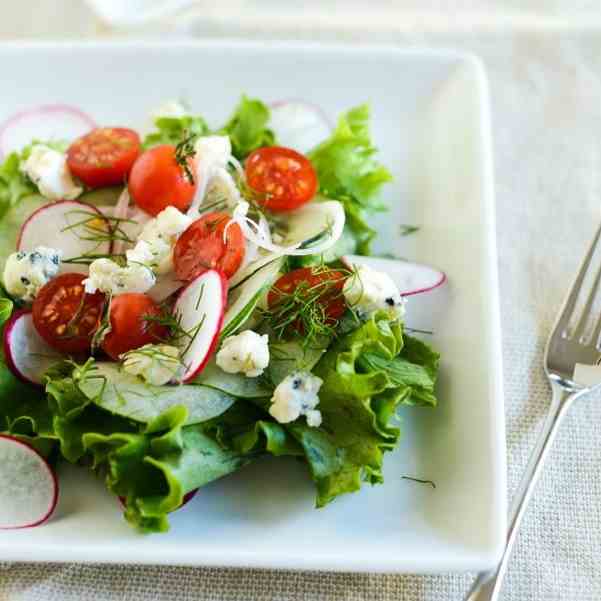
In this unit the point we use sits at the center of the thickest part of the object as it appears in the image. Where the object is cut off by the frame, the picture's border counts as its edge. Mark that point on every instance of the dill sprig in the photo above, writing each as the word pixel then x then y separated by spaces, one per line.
pixel 90 258
pixel 183 151
pixel 98 228
pixel 218 205
pixel 430 482
pixel 407 230
pixel 104 327
pixel 157 356
pixel 178 335
pixel 304 309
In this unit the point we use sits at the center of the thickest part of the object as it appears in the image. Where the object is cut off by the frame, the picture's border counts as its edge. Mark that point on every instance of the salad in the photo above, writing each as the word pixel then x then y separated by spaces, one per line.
pixel 180 302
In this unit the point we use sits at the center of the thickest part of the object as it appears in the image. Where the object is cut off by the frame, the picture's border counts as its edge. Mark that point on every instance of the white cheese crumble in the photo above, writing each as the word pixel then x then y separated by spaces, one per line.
pixel 213 151
pixel 26 272
pixel 157 364
pixel 296 395
pixel 212 156
pixel 154 247
pixel 173 109
pixel 247 353
pixel 47 169
pixel 368 290
pixel 108 277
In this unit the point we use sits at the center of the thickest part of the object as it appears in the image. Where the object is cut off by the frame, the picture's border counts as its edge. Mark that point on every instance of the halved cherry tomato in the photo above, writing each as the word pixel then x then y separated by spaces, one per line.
pixel 129 328
pixel 65 316
pixel 104 157
pixel 282 178
pixel 204 246
pixel 309 284
pixel 157 180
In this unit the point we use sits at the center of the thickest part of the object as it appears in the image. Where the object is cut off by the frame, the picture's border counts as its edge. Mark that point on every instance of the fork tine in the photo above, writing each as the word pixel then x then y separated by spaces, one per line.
pixel 586 311
pixel 570 302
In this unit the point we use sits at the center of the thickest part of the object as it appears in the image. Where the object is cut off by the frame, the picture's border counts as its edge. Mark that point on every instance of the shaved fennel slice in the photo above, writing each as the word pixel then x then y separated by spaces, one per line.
pixel 312 229
pixel 203 175
pixel 120 212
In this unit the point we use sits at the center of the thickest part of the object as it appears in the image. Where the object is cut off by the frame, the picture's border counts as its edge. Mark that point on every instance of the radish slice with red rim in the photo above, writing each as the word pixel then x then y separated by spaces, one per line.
pixel 26 352
pixel 411 278
pixel 28 485
pixel 73 227
pixel 200 308
pixel 47 122
pixel 298 124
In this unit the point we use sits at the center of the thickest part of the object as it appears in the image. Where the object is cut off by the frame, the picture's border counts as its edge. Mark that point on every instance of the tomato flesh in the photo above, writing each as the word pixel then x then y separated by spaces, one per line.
pixel 309 282
pixel 157 180
pixel 65 316
pixel 129 327
pixel 104 157
pixel 207 244
pixel 282 178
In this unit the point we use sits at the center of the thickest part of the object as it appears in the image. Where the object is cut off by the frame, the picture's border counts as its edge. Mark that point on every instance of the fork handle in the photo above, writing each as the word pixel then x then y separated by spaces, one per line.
pixel 488 584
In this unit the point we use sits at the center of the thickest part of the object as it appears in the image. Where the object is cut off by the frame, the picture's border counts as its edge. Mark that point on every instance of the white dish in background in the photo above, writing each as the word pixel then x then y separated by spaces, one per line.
pixel 431 124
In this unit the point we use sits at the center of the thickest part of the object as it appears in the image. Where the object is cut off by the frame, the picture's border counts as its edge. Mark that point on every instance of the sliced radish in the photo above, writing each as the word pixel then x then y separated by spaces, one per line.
pixel 47 227
pixel 27 354
pixel 28 485
pixel 132 228
pixel 299 125
pixel 200 308
pixel 411 278
pixel 48 122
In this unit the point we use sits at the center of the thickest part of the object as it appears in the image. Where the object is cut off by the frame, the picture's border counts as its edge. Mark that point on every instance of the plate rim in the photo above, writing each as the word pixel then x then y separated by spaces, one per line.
pixel 485 558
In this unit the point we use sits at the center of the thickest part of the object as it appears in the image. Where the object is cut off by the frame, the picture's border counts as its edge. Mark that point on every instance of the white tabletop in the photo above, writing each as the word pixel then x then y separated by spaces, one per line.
pixel 546 92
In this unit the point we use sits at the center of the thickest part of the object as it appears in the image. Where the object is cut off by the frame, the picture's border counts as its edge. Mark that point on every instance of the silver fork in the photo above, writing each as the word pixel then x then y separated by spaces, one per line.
pixel 564 350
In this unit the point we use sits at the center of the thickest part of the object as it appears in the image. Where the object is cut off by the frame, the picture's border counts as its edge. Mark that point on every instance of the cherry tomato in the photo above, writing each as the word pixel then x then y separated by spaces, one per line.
pixel 104 157
pixel 65 316
pixel 129 328
pixel 323 286
pixel 157 180
pixel 282 178
pixel 202 247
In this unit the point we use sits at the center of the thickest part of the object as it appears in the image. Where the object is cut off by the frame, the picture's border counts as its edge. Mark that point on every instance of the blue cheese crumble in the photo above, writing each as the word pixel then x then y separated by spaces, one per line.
pixel 368 291
pixel 26 272
pixel 296 395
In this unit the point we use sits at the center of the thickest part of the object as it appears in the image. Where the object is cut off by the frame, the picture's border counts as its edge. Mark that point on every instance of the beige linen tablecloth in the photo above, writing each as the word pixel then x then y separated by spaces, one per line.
pixel 546 95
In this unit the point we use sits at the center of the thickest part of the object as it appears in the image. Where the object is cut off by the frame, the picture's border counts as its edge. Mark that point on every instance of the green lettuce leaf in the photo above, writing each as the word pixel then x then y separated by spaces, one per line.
pixel 247 127
pixel 14 184
pixel 153 465
pixel 24 412
pixel 416 368
pixel 172 130
pixel 153 469
pixel 74 414
pixel 348 172
pixel 357 406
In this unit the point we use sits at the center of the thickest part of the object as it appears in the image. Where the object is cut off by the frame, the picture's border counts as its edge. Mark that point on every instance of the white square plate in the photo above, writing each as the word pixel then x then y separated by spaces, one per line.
pixel 431 123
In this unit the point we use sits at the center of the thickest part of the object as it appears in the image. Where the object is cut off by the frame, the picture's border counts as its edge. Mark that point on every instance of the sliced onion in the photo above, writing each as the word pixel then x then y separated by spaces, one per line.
pixel 120 212
pixel 304 224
